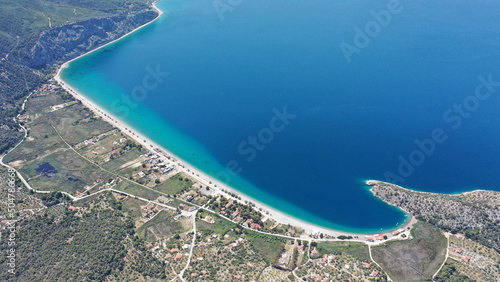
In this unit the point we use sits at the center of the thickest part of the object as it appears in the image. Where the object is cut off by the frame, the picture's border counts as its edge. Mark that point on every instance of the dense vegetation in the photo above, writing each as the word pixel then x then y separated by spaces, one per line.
pixel 22 21
pixel 53 198
pixel 89 244
pixel 21 24
pixel 449 273
pixel 475 214
pixel 15 84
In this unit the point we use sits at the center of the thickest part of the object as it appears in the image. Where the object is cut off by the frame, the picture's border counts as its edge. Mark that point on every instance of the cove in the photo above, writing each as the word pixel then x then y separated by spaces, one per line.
pixel 353 120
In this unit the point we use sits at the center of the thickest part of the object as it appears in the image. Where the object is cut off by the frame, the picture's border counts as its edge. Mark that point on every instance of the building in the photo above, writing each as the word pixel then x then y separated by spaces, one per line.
pixel 209 219
pixel 315 233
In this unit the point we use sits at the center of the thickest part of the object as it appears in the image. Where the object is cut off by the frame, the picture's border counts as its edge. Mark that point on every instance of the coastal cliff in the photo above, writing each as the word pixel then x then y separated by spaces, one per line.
pixel 476 214
pixel 63 43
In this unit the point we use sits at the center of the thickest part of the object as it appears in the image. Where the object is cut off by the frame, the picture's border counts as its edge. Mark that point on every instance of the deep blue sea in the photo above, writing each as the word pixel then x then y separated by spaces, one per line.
pixel 307 99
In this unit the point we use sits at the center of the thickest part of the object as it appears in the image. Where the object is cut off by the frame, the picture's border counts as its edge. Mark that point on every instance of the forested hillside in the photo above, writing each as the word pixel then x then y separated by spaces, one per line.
pixel 25 61
pixel 96 242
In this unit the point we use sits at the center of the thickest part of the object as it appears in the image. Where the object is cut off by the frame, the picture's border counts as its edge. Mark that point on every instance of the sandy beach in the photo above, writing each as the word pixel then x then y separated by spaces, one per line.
pixel 185 167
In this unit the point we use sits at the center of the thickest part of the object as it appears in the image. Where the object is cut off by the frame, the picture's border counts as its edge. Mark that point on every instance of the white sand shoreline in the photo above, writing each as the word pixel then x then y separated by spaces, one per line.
pixel 185 167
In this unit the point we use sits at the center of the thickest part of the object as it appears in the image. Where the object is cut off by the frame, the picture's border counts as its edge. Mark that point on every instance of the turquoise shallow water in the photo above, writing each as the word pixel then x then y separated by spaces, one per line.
pixel 221 88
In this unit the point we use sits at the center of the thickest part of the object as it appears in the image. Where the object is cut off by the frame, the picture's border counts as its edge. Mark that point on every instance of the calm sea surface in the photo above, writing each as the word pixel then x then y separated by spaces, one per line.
pixel 303 100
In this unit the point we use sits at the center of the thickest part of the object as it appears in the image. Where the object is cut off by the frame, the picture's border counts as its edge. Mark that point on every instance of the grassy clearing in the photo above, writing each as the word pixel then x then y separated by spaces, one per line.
pixel 44 145
pixel 73 173
pixel 115 164
pixel 269 247
pixel 46 141
pixel 132 207
pixel 175 184
pixel 42 104
pixel 162 226
pixel 137 190
pixel 221 226
pixel 413 260
pixel 357 250
pixel 76 123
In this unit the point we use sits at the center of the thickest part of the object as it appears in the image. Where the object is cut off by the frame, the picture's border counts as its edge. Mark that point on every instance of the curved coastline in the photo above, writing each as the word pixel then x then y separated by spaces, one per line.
pixel 184 166
pixel 66 64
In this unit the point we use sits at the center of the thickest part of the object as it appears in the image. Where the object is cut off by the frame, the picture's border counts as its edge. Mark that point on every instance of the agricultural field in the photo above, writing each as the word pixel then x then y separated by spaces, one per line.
pixel 44 158
pixel 220 227
pixel 64 171
pixel 76 123
pixel 130 158
pixel 162 226
pixel 268 246
pixel 354 249
pixel 137 190
pixel 71 150
pixel 176 184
